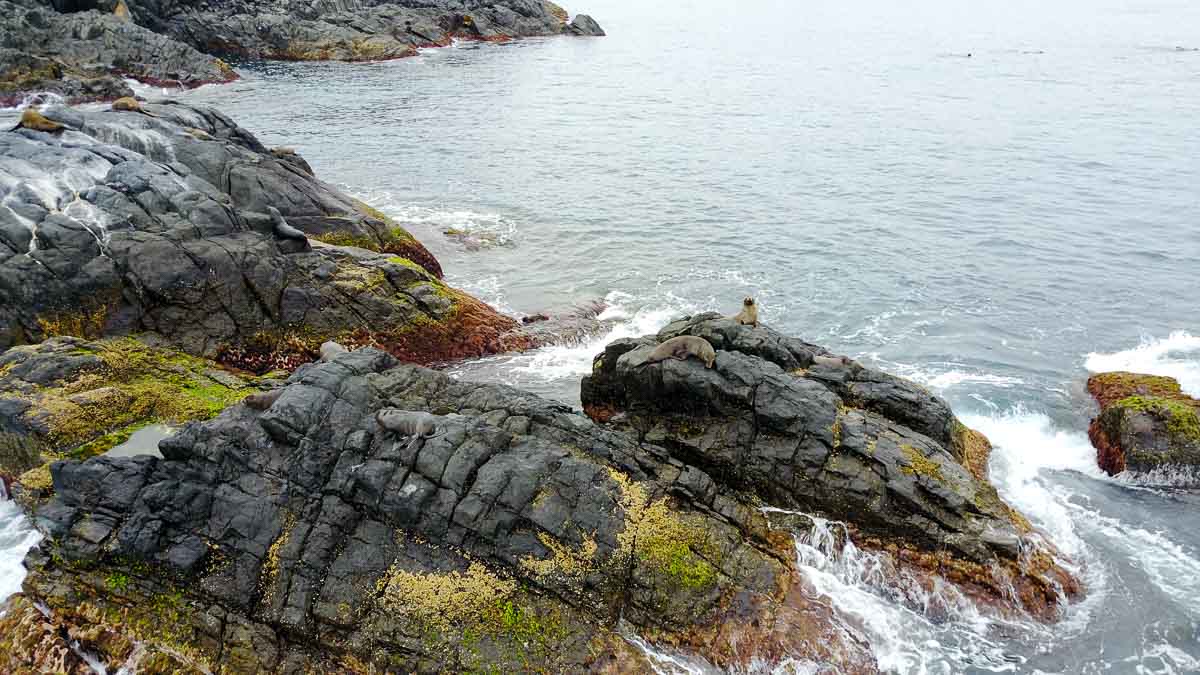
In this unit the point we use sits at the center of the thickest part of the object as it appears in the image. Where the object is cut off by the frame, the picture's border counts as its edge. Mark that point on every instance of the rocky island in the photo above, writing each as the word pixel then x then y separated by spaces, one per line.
pixel 158 264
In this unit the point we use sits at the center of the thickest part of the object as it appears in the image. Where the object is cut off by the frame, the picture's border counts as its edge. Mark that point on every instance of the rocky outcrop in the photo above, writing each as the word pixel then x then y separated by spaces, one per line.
pixel 1146 425
pixel 160 222
pixel 806 429
pixel 80 49
pixel 82 56
pixel 350 30
pixel 520 537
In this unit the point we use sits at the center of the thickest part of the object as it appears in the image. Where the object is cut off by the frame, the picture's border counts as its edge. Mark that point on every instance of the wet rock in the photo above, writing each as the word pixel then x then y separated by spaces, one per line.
pixel 308 538
pixel 83 55
pixel 585 25
pixel 137 223
pixel 804 429
pixel 1146 425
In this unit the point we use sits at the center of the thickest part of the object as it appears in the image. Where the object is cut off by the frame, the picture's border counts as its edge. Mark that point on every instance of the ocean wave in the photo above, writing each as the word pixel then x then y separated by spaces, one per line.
pixel 17 536
pixel 1177 356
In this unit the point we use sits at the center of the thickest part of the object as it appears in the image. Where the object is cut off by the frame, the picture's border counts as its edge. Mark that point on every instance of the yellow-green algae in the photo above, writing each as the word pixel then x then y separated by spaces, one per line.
pixel 134 386
pixel 1181 418
pixel 660 539
pixel 919 464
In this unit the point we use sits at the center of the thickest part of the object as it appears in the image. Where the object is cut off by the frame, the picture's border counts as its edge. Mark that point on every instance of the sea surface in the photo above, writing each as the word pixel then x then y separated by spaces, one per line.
pixel 992 198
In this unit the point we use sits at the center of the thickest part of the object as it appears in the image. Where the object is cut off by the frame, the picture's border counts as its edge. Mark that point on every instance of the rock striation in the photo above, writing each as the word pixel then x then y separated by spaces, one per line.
pixel 1146 425
pixel 806 429
pixel 175 223
pixel 521 537
pixel 301 535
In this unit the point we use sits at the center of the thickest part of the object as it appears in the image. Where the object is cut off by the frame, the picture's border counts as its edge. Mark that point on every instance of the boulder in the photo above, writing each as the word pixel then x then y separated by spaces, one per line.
pixel 307 538
pixel 585 25
pixel 1146 425
pixel 180 225
pixel 801 428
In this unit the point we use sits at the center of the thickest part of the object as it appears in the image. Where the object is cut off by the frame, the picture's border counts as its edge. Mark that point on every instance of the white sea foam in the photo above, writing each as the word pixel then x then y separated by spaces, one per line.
pixel 1177 356
pixel 910 629
pixel 17 536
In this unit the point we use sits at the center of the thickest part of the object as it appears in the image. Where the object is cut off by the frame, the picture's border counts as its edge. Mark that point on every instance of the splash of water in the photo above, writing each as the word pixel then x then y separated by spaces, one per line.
pixel 1177 356
pixel 17 536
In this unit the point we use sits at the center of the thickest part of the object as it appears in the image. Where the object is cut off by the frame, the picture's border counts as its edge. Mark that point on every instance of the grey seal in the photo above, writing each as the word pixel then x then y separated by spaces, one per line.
pixel 682 347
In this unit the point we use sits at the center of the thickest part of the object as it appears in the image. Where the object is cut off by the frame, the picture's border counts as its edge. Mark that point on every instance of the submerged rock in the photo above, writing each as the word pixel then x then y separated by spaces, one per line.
pixel 165 223
pixel 1146 425
pixel 306 538
pixel 787 421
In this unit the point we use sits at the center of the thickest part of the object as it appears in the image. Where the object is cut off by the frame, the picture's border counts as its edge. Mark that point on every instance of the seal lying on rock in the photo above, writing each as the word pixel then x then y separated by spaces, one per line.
pixel 682 347
pixel 263 399
pixel 418 426
pixel 130 104
pixel 330 350
pixel 32 119
pixel 749 314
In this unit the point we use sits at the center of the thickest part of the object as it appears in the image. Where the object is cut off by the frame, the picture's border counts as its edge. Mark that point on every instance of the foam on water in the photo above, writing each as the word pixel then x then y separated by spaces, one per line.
pixel 1177 356
pixel 17 536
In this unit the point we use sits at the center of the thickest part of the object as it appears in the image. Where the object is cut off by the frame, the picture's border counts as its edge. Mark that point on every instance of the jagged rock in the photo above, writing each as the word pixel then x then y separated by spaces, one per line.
pixel 305 538
pixel 82 55
pixel 1146 425
pixel 136 223
pixel 585 25
pixel 785 420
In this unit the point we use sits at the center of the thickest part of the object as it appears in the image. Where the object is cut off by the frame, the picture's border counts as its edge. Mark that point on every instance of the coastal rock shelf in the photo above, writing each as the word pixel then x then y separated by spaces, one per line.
pixel 522 535
pixel 175 223
pixel 82 49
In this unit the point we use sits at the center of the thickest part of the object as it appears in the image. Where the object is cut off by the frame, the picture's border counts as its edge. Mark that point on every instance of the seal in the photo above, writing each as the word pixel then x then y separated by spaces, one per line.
pixel 749 314
pixel 130 104
pixel 330 350
pixel 281 227
pixel 833 361
pixel 682 347
pixel 32 119
pixel 263 399
pixel 418 426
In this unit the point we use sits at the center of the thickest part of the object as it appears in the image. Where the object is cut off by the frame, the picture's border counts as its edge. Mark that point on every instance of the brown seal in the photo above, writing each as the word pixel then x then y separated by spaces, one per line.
pixel 263 399
pixel 32 119
pixel 749 314
pixel 682 347
pixel 130 104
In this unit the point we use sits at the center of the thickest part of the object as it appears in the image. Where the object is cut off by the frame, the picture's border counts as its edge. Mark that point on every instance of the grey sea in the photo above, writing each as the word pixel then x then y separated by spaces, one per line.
pixel 992 198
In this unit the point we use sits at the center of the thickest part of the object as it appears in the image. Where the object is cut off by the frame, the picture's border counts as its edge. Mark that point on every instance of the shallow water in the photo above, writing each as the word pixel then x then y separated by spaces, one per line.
pixel 992 226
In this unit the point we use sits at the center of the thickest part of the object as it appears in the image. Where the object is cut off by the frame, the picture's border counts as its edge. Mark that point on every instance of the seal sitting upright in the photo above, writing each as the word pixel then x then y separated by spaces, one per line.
pixel 749 314
pixel 682 347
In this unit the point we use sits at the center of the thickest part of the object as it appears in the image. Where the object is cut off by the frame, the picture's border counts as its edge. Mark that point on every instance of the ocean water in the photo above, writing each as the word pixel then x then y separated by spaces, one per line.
pixel 992 198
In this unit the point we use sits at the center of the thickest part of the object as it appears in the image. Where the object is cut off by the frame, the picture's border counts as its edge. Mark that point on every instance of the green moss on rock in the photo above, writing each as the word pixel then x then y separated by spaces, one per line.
pixel 1181 418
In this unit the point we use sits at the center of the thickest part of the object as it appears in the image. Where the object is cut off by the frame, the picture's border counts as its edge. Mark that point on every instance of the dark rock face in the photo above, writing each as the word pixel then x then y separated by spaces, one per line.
pixel 803 428
pixel 162 222
pixel 349 30
pixel 83 55
pixel 307 538
pixel 1146 424
pixel 585 25
pixel 79 49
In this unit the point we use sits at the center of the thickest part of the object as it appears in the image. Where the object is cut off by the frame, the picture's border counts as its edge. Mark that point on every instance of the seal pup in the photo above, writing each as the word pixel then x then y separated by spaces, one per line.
pixel 749 314
pixel 32 119
pixel 130 104
pixel 330 350
pixel 263 399
pixel 418 426
pixel 682 347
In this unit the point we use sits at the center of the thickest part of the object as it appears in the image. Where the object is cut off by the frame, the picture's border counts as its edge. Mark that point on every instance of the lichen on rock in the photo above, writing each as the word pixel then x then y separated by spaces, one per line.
pixel 1147 424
